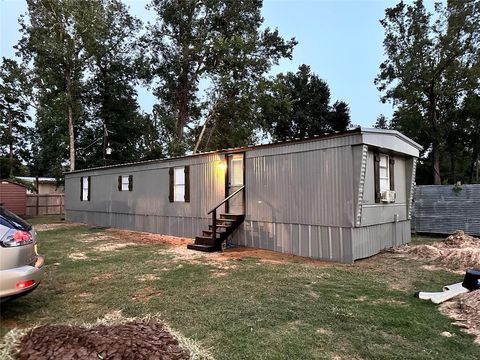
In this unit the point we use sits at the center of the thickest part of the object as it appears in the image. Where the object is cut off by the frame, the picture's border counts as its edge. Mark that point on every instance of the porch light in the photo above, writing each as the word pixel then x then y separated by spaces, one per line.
pixel 108 150
pixel 222 165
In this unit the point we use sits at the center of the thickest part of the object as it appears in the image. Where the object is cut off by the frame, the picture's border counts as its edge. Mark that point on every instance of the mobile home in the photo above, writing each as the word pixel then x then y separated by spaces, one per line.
pixel 341 196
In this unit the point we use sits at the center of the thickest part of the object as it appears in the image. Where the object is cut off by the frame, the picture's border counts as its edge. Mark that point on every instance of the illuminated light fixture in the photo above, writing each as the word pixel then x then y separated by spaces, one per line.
pixel 222 165
pixel 108 150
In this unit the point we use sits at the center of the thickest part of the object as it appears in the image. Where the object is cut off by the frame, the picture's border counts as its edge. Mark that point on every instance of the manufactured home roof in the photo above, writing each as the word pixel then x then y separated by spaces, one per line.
pixel 358 130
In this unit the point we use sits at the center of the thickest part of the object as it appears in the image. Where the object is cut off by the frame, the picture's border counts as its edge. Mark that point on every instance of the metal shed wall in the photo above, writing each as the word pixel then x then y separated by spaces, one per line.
pixel 147 208
pixel 441 210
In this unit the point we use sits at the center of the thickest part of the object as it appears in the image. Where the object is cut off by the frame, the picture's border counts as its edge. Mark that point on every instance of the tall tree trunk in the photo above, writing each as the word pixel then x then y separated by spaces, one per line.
pixel 183 112
pixel 437 180
pixel 71 133
pixel 10 142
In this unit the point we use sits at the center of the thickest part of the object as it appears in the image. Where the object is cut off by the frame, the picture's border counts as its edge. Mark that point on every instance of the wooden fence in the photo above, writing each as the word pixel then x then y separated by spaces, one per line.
pixel 49 204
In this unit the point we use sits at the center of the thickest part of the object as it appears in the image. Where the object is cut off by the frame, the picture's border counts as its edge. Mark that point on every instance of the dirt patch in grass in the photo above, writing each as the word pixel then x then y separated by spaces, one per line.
pixel 112 246
pixel 106 276
pixel 146 294
pixel 77 256
pixel 134 340
pixel 147 277
pixel 465 310
pixel 148 238
pixel 53 226
pixel 458 251
pixel 269 256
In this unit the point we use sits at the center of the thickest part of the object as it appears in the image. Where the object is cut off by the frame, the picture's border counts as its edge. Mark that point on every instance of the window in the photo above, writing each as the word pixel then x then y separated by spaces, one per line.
pixel 125 183
pixel 236 165
pixel 179 184
pixel 384 176
pixel 384 173
pixel 85 188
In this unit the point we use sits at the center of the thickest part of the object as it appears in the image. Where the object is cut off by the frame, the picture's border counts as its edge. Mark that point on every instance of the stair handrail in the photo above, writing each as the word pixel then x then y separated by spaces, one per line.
pixel 214 211
pixel 226 199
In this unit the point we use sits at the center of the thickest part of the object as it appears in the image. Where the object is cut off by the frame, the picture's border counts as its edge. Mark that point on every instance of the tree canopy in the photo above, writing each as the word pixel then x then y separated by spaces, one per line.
pixel 298 105
pixel 432 63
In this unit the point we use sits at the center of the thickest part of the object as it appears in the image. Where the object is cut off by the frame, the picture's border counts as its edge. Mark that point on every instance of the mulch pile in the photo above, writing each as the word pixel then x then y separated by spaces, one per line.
pixel 134 340
pixel 458 251
pixel 465 310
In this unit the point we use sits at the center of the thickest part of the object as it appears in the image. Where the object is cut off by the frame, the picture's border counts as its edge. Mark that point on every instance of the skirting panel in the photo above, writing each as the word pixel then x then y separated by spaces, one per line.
pixel 168 225
pixel 318 242
pixel 369 240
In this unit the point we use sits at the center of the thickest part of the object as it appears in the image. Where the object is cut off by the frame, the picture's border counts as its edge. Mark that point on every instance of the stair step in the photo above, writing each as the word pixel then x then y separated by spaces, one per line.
pixel 205 240
pixel 234 217
pixel 225 222
pixel 209 233
pixel 204 248
pixel 221 227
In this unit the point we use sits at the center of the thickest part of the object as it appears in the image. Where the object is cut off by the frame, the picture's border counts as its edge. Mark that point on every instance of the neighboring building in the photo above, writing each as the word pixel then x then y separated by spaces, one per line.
pixel 13 197
pixel 44 185
pixel 341 197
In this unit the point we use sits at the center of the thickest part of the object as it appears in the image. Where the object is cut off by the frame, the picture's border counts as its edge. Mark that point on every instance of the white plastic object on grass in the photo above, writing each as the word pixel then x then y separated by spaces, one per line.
pixel 449 292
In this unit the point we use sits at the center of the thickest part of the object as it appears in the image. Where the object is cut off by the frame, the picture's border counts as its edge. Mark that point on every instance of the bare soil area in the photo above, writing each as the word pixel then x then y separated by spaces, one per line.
pixel 465 310
pixel 134 340
pixel 459 251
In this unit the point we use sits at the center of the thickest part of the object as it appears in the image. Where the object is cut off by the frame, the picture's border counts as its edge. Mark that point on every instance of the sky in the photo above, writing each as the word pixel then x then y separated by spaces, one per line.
pixel 340 40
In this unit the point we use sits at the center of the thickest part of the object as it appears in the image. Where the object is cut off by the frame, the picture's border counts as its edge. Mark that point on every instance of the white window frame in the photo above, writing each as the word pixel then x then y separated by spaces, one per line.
pixel 85 189
pixel 384 173
pixel 234 180
pixel 125 183
pixel 179 184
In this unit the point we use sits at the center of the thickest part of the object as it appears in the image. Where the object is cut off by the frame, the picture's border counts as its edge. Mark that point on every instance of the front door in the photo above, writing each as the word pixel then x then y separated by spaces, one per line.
pixel 235 180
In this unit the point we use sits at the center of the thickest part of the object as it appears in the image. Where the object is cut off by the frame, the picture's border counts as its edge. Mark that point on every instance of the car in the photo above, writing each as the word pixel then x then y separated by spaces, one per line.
pixel 21 267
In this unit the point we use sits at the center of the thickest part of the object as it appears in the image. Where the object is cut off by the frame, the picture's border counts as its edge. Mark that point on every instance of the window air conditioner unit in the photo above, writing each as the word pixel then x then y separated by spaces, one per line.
pixel 388 196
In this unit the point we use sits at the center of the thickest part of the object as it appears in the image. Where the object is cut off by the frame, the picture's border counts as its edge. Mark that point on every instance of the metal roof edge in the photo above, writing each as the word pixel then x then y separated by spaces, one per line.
pixel 349 132
pixel 396 133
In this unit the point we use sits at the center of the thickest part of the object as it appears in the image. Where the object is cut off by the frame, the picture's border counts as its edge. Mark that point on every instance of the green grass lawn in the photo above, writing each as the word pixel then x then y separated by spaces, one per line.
pixel 246 308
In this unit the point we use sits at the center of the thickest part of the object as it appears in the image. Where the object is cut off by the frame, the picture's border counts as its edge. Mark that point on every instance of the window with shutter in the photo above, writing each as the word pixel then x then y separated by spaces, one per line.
pixel 85 188
pixel 384 173
pixel 179 184
pixel 125 183
pixel 187 184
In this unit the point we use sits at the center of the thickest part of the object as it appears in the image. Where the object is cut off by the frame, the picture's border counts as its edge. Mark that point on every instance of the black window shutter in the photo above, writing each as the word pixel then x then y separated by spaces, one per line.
pixel 119 183
pixel 187 183
pixel 391 170
pixel 89 188
pixel 376 176
pixel 81 188
pixel 170 185
pixel 130 182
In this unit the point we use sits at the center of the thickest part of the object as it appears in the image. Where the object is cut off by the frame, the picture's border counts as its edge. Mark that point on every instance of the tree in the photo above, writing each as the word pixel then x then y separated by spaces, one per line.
pixel 432 62
pixel 217 42
pixel 15 100
pixel 470 116
pixel 382 122
pixel 54 36
pixel 110 99
pixel 298 105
